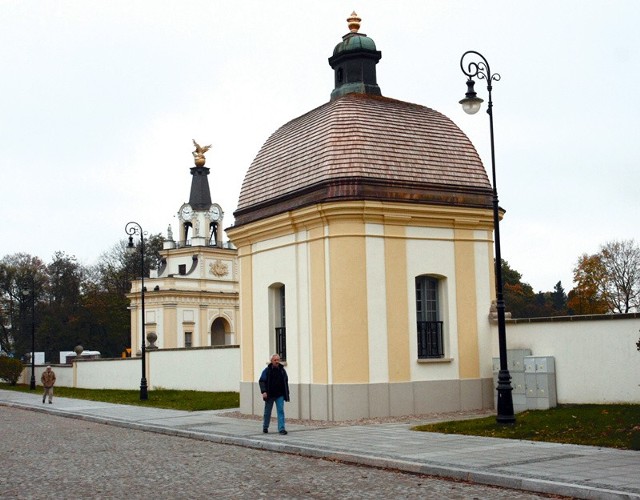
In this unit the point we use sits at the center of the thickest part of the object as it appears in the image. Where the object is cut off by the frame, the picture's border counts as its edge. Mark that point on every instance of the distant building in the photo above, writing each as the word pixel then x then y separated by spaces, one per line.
pixel 67 357
pixel 192 300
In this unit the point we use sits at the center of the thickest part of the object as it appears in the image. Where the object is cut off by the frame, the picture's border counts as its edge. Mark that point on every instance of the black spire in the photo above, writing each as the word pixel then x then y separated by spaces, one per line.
pixel 200 196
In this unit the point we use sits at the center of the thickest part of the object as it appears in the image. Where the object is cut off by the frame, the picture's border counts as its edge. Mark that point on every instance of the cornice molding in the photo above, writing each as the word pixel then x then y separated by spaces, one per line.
pixel 379 212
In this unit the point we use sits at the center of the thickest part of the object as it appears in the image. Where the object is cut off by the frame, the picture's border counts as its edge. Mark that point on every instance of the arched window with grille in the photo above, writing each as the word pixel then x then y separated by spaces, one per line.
pixel 277 320
pixel 429 318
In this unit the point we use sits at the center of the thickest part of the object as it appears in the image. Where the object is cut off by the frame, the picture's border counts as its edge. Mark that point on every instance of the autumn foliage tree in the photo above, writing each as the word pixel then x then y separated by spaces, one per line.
pixel 72 304
pixel 586 298
pixel 518 296
pixel 608 281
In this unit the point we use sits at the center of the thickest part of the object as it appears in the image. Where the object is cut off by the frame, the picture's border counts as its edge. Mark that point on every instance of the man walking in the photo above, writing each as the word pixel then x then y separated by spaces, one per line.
pixel 274 385
pixel 48 380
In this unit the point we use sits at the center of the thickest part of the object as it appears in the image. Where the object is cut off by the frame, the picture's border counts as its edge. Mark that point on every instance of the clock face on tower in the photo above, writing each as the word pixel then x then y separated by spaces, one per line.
pixel 186 211
pixel 215 212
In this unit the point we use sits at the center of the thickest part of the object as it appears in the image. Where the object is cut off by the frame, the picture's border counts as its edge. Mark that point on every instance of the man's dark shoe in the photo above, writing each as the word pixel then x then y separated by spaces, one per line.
pixel 283 432
pixel 43 401
pixel 266 431
pixel 50 402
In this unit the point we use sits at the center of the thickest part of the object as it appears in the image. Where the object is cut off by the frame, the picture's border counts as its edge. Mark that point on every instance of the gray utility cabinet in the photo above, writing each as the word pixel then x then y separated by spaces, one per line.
pixel 532 379
pixel 540 382
pixel 515 364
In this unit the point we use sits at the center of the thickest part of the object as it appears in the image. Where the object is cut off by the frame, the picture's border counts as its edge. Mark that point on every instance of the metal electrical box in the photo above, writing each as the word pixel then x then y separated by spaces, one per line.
pixel 533 380
pixel 540 382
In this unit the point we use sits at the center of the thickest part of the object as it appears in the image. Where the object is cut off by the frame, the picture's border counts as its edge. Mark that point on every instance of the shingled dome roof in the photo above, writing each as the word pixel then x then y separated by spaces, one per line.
pixel 362 146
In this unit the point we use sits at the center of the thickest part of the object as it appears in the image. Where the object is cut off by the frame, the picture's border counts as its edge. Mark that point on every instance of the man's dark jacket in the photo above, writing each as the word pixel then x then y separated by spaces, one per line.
pixel 269 378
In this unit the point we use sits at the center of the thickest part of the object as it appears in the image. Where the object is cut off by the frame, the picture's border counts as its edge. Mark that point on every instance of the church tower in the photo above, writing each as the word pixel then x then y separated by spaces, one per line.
pixel 364 233
pixel 192 299
pixel 200 220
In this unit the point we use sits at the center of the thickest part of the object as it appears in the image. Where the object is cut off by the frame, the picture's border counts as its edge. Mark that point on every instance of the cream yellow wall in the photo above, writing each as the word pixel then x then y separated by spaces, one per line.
pixel 159 327
pixel 397 306
pixel 246 314
pixel 203 326
pixel 348 299
pixel 301 319
pixel 170 320
pixel 136 324
pixel 466 304
pixel 318 306
pixel 486 291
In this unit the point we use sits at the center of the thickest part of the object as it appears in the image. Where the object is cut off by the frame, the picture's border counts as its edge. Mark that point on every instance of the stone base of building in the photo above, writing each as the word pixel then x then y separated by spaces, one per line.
pixel 353 401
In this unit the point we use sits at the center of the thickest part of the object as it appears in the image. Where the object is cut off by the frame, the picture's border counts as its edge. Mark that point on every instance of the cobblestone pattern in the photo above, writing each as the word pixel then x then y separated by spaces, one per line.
pixel 45 456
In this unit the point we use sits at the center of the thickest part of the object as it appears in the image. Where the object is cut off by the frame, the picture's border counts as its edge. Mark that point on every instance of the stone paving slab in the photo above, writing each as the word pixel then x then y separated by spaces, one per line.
pixel 570 470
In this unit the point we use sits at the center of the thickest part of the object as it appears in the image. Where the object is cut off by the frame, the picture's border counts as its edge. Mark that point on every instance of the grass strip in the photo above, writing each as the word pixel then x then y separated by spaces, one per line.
pixel 158 398
pixel 611 426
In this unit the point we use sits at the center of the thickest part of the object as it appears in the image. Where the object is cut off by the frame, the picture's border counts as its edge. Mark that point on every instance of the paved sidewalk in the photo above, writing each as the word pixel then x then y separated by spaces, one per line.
pixel 570 470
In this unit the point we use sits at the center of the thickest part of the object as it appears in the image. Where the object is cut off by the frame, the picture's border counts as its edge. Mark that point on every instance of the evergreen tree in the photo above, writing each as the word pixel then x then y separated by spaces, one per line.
pixel 559 298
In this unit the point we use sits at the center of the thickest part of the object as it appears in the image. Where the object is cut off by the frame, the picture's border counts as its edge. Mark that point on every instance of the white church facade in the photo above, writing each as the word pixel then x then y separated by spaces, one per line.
pixel 192 299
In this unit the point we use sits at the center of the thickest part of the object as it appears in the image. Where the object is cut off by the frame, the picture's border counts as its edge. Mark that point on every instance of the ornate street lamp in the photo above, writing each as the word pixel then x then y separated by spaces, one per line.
pixel 131 229
pixel 31 293
pixel 471 105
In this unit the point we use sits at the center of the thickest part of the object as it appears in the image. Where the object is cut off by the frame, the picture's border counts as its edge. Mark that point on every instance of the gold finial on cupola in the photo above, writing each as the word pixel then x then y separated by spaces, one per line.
pixel 354 22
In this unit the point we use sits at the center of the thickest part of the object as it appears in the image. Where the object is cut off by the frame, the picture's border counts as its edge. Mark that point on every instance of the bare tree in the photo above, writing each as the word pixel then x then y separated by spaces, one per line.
pixel 620 287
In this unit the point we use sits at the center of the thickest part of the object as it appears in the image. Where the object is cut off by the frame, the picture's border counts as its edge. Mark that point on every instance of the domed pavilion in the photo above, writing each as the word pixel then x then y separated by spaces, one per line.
pixel 364 233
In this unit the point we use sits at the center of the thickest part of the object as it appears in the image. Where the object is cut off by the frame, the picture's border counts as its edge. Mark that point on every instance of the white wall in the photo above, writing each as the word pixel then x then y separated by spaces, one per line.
pixel 377 303
pixel 432 251
pixel 215 369
pixel 268 269
pixel 596 357
pixel 118 373
pixel 596 361
pixel 64 375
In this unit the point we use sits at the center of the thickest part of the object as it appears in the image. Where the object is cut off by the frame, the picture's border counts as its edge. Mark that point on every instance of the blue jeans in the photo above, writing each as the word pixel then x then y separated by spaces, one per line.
pixel 268 407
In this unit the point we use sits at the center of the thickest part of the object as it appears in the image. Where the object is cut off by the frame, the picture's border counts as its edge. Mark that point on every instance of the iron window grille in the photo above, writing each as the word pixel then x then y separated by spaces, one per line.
pixel 430 341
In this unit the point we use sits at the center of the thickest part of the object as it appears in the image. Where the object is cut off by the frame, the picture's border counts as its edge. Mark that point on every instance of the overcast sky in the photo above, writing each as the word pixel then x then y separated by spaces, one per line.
pixel 99 102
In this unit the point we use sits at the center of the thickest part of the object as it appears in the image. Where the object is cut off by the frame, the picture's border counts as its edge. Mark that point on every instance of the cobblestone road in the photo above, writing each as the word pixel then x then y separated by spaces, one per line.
pixel 44 456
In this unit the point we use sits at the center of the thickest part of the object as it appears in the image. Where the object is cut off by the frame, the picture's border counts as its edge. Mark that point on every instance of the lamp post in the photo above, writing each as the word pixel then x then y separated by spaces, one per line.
pixel 134 228
pixel 471 105
pixel 31 293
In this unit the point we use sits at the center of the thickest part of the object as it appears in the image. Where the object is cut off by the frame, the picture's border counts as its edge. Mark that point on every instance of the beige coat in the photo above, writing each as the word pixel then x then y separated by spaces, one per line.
pixel 48 378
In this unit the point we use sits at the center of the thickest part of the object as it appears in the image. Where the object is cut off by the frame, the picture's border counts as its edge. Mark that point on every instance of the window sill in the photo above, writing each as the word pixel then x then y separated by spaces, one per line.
pixel 434 360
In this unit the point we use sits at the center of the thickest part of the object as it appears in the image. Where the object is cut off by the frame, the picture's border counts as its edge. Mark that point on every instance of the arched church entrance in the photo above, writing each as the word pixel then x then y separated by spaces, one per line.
pixel 219 329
